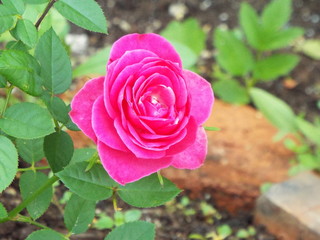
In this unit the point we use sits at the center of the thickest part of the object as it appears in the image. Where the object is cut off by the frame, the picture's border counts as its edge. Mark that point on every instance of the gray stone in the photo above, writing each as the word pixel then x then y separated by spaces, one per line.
pixel 291 209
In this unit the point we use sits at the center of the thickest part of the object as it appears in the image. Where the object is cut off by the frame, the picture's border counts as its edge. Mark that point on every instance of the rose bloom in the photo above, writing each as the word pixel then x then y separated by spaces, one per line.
pixel 147 113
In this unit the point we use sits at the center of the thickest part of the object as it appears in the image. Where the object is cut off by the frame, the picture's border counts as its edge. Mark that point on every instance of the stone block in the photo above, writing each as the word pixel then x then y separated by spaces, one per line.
pixel 291 209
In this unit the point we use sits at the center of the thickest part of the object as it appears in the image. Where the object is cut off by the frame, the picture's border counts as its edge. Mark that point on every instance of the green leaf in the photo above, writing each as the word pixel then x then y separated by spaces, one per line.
pixel 133 231
pixel 86 14
pixel 57 108
pixel 3 82
pixel 55 63
pixel 58 148
pixel 275 66
pixel 6 18
pixel 26 32
pixel 275 110
pixel 17 45
pixel 45 234
pixel 188 57
pixel 104 222
pixel 36 1
pixel 82 155
pixel 95 65
pixel 224 231
pixel 188 33
pixel 8 162
pixel 309 130
pixel 148 192
pixel 91 185
pixel 276 14
pixel 30 182
pixel 30 150
pixel 232 54
pixel 78 214
pixel 27 121
pixel 16 6
pixel 231 91
pixel 22 70
pixel 3 211
pixel 132 215
pixel 282 38
pixel 251 26
pixel 311 48
pixel 242 233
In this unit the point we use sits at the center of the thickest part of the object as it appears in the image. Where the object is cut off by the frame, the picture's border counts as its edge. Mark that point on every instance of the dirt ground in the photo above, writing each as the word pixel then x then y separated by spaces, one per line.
pixel 241 157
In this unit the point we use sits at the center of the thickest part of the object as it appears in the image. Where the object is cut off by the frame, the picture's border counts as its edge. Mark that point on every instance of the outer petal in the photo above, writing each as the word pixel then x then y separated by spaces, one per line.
pixel 194 156
pixel 82 103
pixel 202 98
pixel 124 167
pixel 104 128
pixel 149 41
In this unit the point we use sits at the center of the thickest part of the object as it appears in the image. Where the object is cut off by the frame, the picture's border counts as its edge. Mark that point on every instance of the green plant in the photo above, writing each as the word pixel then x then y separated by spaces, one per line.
pixel 249 55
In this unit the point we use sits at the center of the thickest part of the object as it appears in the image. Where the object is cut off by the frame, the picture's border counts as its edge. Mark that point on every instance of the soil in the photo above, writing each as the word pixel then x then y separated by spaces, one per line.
pixel 241 157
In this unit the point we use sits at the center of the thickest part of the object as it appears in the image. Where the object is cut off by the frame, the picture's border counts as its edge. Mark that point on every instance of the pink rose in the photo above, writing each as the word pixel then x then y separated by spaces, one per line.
pixel 146 113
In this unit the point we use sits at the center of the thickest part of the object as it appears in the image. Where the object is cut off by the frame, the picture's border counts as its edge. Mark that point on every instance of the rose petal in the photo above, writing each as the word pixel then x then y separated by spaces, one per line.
pixel 202 98
pixel 125 167
pixel 104 128
pixel 150 41
pixel 133 144
pixel 82 103
pixel 194 156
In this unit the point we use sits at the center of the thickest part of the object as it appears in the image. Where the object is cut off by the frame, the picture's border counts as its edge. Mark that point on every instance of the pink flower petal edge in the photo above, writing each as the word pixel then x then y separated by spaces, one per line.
pixel 202 98
pixel 82 103
pixel 150 41
pixel 124 167
pixel 194 156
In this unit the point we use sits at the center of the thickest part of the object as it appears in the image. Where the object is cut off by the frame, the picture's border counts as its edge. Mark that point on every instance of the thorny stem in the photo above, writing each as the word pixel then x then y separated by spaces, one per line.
pixel 7 100
pixel 13 214
pixel 50 4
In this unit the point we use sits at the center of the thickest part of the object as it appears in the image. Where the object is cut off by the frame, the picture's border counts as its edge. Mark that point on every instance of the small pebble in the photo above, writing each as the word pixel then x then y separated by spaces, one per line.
pixel 178 10
pixel 205 5
pixel 223 17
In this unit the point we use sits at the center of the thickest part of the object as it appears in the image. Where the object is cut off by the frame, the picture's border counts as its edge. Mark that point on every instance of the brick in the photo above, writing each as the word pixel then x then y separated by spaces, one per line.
pixel 291 209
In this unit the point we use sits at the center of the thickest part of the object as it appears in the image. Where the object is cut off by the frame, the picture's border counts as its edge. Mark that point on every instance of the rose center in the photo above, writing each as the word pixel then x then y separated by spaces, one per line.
pixel 158 101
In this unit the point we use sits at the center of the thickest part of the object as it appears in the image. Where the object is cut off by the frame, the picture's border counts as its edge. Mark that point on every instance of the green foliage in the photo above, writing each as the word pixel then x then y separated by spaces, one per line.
pixel 57 107
pixel 58 149
pixel 188 33
pixel 280 114
pixel 45 234
pixel 35 123
pixel 133 231
pixel 3 211
pixel 82 155
pixel 274 66
pixel 78 214
pixel 86 14
pixel 26 32
pixel 22 70
pixel 55 63
pixel 224 230
pixel 16 7
pixel 8 162
pixel 31 150
pixel 148 192
pixel 232 55
pixel 96 64
pixel 6 18
pixel 91 185
pixel 231 91
pixel 250 60
pixel 310 47
pixel 29 183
